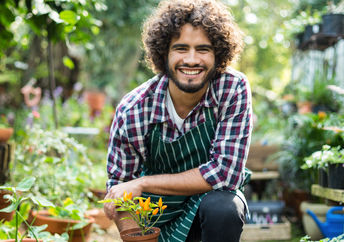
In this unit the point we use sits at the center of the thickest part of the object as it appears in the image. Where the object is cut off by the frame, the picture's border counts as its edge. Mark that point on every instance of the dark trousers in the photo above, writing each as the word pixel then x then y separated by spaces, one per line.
pixel 220 218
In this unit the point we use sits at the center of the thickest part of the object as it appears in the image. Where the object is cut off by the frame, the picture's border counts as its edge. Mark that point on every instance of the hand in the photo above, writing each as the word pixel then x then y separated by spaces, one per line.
pixel 134 186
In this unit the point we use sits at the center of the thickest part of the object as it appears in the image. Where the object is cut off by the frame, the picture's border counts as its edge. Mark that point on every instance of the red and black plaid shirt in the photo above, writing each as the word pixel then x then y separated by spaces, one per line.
pixel 139 110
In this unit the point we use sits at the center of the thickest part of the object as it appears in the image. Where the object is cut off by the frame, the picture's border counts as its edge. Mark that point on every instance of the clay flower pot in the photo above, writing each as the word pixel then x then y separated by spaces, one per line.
pixel 135 235
pixel 5 134
pixel 60 225
pixel 3 204
pixel 96 101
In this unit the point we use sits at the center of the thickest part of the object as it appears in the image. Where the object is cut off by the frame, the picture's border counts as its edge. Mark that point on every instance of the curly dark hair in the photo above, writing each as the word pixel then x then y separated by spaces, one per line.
pixel 166 22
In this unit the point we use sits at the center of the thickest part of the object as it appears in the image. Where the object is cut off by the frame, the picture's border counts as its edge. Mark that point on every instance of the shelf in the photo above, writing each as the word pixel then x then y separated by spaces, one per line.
pixel 329 193
pixel 264 175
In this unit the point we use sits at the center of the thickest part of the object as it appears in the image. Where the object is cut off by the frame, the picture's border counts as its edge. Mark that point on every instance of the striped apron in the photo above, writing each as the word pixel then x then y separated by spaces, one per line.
pixel 187 152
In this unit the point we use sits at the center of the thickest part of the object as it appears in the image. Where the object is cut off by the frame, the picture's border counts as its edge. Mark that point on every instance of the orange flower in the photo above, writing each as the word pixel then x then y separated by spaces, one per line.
pixel 141 203
pixel 146 204
pixel 321 115
pixel 125 196
pixel 155 211
pixel 160 202
pixel 130 196
pixel 163 207
pixel 137 212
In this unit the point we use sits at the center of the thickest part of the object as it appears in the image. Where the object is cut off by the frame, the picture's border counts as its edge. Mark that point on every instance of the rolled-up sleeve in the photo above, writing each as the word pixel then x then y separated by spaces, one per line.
pixel 228 154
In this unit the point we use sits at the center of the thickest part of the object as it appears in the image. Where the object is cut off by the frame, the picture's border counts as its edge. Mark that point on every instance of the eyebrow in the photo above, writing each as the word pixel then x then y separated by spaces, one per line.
pixel 185 46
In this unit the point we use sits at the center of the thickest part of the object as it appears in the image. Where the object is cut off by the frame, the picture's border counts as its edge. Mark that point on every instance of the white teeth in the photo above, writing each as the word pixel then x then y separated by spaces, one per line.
pixel 191 72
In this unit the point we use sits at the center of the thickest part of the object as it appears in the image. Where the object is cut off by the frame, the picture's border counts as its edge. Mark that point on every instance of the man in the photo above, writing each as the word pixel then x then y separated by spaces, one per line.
pixel 184 134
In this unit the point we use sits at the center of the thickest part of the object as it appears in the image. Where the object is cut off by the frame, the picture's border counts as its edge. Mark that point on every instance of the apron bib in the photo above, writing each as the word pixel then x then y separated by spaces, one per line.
pixel 188 151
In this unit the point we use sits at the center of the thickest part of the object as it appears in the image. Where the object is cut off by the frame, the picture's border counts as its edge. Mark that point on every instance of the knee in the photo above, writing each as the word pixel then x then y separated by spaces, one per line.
pixel 221 207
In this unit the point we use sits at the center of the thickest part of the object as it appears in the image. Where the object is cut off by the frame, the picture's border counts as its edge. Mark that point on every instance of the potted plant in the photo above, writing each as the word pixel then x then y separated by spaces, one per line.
pixel 69 218
pixel 319 161
pixel 331 161
pixel 333 21
pixel 143 212
pixel 11 230
pixel 5 130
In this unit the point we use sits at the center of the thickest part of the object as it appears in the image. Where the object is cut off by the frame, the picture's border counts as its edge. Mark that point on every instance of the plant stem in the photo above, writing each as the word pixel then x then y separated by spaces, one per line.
pixel 28 226
pixel 17 225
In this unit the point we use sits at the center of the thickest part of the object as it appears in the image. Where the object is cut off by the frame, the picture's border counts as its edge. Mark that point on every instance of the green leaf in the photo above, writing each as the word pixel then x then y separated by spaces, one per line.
pixel 10 208
pixel 42 201
pixel 26 184
pixel 95 30
pixel 68 62
pixel 126 218
pixel 69 17
pixel 79 225
pixel 69 28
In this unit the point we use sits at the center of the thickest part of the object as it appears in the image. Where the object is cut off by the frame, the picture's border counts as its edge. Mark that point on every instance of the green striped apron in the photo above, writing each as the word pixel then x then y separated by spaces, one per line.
pixel 187 152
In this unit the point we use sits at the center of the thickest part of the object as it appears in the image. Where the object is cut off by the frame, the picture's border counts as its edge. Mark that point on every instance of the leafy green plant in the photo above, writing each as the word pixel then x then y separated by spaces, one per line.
pixel 70 210
pixel 322 158
pixel 335 239
pixel 18 195
pixel 58 160
pixel 141 211
pixel 303 135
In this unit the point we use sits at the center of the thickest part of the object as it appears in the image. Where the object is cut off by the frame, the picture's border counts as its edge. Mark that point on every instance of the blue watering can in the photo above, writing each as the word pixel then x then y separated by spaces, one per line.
pixel 334 225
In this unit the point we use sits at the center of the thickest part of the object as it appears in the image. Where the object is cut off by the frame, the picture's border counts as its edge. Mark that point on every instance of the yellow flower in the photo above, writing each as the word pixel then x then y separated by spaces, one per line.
pixel 163 207
pixel 67 201
pixel 52 212
pixel 155 211
pixel 160 202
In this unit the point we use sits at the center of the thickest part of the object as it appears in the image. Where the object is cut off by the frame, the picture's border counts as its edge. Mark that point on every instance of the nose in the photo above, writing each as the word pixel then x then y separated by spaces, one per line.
pixel 191 58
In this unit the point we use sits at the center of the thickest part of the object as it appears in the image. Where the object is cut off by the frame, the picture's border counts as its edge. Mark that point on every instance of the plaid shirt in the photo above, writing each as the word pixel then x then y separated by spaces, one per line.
pixel 145 106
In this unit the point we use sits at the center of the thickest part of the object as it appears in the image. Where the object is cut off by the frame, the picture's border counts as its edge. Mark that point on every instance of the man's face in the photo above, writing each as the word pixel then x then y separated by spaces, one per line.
pixel 191 59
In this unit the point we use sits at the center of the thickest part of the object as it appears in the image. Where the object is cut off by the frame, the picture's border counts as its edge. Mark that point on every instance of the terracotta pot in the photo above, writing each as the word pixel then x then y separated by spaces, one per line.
pixel 99 217
pixel 3 204
pixel 59 225
pixel 304 107
pixel 24 240
pixel 130 235
pixel 95 100
pixel 5 134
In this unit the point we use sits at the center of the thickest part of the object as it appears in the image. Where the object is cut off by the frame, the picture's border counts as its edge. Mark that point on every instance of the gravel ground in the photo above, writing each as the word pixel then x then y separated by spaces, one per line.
pixel 109 235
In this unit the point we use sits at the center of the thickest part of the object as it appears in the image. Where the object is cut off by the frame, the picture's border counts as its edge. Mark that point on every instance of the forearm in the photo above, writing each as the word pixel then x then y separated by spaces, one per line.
pixel 185 183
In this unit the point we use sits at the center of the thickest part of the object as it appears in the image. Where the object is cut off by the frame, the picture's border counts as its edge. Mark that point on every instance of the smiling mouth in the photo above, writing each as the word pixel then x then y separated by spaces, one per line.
pixel 190 72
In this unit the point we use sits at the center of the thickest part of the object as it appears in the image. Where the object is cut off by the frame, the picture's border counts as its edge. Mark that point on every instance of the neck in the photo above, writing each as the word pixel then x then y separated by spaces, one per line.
pixel 184 102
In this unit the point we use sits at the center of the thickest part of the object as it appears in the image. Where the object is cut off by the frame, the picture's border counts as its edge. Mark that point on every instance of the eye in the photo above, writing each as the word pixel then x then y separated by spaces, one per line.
pixel 204 50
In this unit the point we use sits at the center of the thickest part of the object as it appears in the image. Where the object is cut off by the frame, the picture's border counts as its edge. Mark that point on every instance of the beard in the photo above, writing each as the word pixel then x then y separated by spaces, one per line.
pixel 190 88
